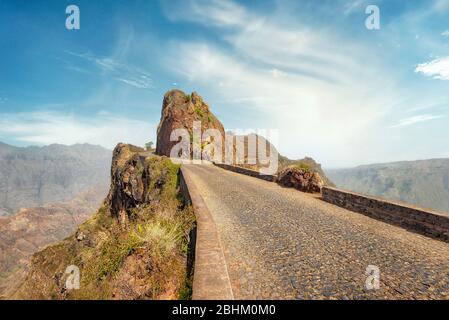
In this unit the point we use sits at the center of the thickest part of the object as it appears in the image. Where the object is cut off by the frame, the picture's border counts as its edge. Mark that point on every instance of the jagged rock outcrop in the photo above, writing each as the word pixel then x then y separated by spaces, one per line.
pixel 133 180
pixel 180 111
pixel 127 181
pixel 301 179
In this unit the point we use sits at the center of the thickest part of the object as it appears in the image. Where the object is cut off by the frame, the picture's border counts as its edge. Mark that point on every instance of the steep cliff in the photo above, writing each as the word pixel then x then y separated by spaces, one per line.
pixel 134 247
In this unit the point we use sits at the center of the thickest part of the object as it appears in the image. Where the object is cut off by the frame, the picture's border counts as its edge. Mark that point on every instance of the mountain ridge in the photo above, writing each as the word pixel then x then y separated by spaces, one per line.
pixel 423 183
pixel 34 176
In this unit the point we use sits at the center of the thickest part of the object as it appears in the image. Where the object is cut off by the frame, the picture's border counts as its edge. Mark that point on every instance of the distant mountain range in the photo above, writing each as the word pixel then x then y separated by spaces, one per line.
pixel 35 176
pixel 424 183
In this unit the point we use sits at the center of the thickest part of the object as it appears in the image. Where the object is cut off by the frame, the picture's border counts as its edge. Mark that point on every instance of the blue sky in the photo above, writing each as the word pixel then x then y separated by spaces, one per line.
pixel 335 90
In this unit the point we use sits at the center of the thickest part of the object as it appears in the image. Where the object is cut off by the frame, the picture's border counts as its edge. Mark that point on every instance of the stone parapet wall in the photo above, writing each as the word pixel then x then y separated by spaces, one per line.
pixel 211 279
pixel 251 173
pixel 427 222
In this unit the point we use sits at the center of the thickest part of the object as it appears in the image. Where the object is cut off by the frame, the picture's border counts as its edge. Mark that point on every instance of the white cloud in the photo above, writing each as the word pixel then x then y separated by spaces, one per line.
pixel 45 128
pixel 445 33
pixel 124 73
pixel 441 5
pixel 437 69
pixel 142 82
pixel 211 12
pixel 416 119
pixel 351 6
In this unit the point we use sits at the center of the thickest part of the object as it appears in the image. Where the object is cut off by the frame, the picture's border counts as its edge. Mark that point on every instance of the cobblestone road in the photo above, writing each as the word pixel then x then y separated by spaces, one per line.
pixel 282 244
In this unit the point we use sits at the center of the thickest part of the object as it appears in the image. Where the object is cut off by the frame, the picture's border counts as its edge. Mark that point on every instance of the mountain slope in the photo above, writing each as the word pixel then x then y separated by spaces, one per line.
pixel 32 229
pixel 35 176
pixel 424 183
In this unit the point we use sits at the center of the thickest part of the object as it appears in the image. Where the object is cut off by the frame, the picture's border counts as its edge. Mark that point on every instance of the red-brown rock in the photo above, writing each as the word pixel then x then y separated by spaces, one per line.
pixel 301 179
pixel 179 111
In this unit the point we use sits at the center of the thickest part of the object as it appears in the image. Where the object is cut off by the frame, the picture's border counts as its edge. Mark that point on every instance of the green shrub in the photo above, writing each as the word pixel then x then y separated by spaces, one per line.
pixel 303 166
pixel 113 254
pixel 199 112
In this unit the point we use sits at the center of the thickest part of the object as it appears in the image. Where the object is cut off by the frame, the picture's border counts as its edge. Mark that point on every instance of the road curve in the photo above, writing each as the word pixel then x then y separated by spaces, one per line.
pixel 280 243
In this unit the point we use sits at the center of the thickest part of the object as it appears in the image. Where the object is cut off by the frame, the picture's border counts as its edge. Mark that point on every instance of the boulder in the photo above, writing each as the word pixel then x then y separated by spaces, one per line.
pixel 302 179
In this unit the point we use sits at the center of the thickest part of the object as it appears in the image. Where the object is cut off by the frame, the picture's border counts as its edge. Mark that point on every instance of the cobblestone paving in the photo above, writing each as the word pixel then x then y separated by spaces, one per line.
pixel 283 244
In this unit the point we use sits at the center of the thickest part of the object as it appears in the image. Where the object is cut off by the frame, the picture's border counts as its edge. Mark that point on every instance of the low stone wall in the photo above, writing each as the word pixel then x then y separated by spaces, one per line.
pixel 427 222
pixel 210 280
pixel 251 173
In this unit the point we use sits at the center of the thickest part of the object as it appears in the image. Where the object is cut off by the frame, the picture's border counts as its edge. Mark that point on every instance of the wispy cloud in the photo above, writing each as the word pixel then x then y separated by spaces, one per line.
pixel 434 107
pixel 212 12
pixel 445 33
pixel 142 82
pixel 106 64
pixel 353 5
pixel 437 69
pixel 441 5
pixel 416 119
pixel 125 73
pixel 43 128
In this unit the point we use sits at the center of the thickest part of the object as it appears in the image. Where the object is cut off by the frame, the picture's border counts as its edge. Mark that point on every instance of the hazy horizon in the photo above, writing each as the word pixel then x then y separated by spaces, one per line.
pixel 324 167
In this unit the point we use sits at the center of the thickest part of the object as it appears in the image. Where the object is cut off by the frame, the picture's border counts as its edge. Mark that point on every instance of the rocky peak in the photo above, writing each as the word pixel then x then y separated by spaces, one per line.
pixel 180 111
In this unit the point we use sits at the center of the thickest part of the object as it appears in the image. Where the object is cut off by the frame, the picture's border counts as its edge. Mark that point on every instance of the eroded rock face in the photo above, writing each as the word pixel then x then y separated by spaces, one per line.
pixel 179 111
pixel 127 181
pixel 301 179
pixel 136 180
